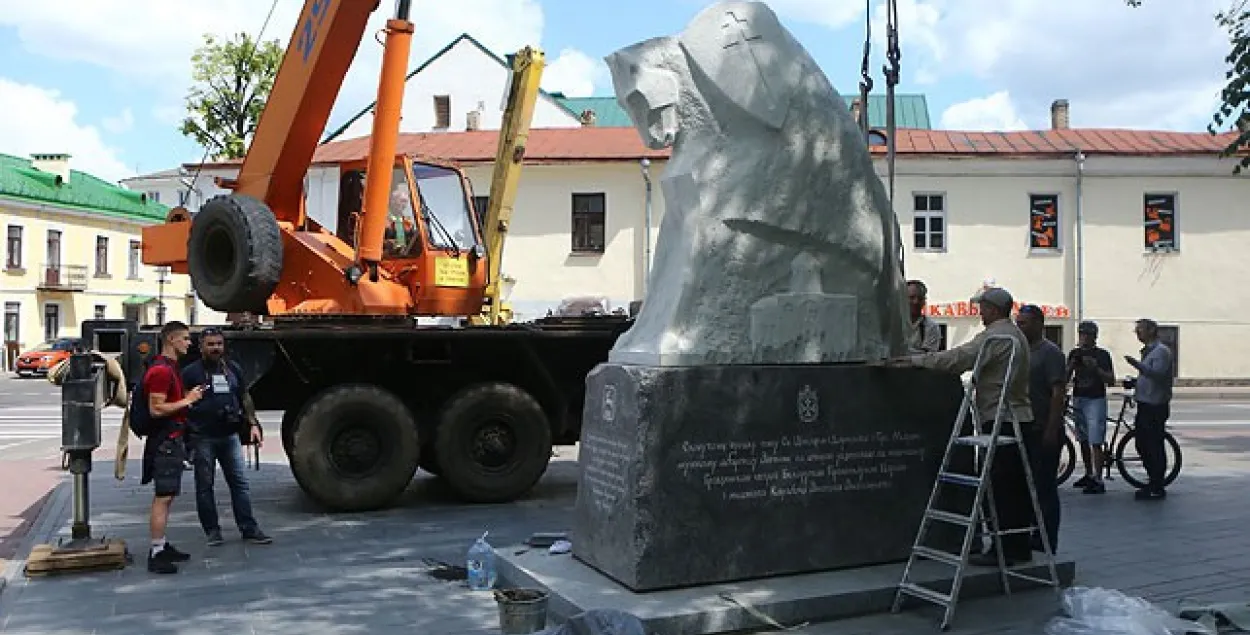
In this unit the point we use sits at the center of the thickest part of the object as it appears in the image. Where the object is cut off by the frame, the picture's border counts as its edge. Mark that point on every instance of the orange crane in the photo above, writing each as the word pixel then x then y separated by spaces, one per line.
pixel 367 395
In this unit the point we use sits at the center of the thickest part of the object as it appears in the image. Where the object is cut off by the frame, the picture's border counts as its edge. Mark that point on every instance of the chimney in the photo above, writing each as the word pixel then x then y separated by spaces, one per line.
pixel 855 110
pixel 588 117
pixel 1059 115
pixel 57 164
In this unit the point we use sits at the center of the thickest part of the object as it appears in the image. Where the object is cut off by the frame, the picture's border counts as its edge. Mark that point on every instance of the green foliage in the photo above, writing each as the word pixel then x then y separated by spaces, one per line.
pixel 1233 113
pixel 232 80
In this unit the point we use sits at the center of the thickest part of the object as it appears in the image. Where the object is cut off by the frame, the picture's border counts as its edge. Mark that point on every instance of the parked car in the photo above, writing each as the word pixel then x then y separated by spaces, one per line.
pixel 40 359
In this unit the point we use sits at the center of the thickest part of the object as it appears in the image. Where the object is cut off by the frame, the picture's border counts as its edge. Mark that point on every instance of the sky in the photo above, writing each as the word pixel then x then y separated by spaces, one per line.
pixel 104 80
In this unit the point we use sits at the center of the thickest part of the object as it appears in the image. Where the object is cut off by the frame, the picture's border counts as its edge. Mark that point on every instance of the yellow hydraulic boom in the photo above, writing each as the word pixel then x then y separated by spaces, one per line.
pixel 526 75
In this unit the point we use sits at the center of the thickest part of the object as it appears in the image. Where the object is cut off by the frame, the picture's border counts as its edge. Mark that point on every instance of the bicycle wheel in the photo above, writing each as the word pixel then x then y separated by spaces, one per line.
pixel 1067 460
pixel 1125 454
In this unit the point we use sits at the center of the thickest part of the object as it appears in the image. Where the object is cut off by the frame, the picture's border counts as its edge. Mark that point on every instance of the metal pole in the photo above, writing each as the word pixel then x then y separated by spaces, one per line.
pixel 1079 246
pixel 646 258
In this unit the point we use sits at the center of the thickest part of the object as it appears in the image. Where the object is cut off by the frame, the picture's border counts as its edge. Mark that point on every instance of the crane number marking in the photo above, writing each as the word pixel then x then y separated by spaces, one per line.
pixel 311 28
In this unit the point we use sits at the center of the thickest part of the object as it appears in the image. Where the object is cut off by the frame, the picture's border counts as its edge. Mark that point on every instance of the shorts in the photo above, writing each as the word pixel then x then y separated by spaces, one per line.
pixel 168 466
pixel 1090 416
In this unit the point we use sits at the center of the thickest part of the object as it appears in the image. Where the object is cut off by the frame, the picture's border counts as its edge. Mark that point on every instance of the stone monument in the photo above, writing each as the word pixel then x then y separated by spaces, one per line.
pixel 735 431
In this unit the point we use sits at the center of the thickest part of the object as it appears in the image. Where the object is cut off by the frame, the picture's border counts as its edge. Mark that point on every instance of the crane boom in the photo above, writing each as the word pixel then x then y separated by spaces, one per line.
pixel 323 44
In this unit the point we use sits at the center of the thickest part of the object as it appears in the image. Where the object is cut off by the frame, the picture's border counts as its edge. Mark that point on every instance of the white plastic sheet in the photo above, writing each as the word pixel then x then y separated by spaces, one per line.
pixel 1098 611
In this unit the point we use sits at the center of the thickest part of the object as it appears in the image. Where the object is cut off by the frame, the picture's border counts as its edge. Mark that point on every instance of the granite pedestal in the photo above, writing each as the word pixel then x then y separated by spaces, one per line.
pixel 713 474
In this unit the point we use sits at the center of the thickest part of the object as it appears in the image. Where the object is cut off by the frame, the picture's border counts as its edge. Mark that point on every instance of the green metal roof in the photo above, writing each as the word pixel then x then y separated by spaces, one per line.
pixel 138 299
pixel 20 181
pixel 910 111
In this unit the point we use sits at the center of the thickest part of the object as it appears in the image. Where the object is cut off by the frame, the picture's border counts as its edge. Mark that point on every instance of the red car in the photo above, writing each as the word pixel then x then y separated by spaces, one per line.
pixel 40 359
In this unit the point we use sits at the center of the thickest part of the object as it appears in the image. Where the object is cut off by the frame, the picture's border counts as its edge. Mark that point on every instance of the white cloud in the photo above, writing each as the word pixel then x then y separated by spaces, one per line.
pixel 574 73
pixel 70 30
pixel 834 14
pixel 1158 66
pixel 38 120
pixel 992 113
pixel 120 123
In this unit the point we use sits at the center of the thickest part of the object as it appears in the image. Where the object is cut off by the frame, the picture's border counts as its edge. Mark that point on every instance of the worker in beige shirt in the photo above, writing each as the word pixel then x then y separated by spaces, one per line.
pixel 1011 494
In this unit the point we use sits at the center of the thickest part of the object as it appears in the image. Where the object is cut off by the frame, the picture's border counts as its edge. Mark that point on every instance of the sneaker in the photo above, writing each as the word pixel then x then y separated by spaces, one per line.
pixel 161 562
pixel 257 537
pixel 214 538
pixel 1095 487
pixel 174 555
pixel 1083 482
pixel 1150 494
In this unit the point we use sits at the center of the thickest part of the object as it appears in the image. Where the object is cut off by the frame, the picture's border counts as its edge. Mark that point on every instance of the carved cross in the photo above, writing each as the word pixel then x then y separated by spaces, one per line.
pixel 736 31
pixel 737 34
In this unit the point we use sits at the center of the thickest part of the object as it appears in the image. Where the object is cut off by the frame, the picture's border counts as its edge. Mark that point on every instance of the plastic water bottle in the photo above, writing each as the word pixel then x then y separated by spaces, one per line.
pixel 481 565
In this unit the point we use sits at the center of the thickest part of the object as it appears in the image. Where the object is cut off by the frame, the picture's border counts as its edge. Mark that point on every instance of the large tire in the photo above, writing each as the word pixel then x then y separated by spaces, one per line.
pixel 356 448
pixel 234 254
pixel 493 443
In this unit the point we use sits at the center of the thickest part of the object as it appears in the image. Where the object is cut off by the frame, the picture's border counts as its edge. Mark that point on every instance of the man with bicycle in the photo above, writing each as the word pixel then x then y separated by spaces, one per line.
pixel 1154 397
pixel 1091 371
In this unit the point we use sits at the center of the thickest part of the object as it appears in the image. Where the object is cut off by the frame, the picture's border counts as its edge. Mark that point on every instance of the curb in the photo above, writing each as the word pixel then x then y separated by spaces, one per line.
pixel 46 525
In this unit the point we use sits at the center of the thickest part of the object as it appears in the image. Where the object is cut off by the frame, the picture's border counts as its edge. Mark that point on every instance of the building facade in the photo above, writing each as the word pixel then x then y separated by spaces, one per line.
pixel 73 252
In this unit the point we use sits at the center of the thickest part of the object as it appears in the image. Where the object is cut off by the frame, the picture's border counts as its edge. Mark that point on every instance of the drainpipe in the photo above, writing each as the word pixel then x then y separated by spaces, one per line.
pixel 1079 157
pixel 645 164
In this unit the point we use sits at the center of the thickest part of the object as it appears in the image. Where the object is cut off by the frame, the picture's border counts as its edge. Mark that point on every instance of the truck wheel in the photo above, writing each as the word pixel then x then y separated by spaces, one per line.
pixel 234 254
pixel 356 448
pixel 493 443
pixel 290 421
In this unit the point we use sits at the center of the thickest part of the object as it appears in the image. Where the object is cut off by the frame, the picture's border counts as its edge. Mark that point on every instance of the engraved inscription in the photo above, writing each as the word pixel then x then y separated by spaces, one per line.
pixel 800 465
pixel 604 471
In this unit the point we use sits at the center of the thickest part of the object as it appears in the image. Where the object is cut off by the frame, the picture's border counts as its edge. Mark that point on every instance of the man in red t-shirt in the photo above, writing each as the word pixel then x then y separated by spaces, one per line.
pixel 164 452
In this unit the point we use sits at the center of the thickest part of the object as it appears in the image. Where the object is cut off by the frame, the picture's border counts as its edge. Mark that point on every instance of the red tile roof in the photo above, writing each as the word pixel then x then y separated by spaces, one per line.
pixel 579 145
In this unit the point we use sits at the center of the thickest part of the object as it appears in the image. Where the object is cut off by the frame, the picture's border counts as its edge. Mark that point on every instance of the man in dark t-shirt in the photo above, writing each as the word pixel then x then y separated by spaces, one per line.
pixel 1091 371
pixel 164 453
pixel 1048 382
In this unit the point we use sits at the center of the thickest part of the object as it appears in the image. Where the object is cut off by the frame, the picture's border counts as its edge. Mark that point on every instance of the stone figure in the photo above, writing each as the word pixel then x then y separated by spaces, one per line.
pixel 778 242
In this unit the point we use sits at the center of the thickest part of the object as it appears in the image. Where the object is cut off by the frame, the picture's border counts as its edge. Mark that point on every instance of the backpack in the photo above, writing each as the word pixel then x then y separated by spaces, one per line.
pixel 139 414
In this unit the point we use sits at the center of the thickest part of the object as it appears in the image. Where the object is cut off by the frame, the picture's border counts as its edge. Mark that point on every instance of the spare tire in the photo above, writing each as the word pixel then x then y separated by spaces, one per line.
pixel 356 448
pixel 493 443
pixel 234 254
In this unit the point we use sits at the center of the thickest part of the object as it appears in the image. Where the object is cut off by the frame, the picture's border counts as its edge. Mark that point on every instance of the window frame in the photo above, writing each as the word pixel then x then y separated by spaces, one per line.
pixel 576 246
pixel 134 260
pixel 944 214
pixel 101 256
pixel 13 247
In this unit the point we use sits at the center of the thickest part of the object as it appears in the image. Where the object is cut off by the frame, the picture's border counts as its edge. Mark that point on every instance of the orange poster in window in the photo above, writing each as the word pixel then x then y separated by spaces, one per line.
pixel 1043 221
pixel 1160 221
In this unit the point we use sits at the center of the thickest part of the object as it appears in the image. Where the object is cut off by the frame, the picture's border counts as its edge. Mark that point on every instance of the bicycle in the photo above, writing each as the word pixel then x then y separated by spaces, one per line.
pixel 1069 453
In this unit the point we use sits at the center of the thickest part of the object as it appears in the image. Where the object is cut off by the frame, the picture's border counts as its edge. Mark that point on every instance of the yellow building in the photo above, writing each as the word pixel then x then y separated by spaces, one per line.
pixel 72 252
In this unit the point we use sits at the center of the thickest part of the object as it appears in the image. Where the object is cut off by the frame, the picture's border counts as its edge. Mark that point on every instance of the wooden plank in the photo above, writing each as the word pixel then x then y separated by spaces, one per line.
pixel 49 559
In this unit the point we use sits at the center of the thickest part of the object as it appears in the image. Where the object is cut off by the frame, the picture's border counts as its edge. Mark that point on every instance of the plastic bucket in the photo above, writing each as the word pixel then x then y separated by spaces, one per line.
pixel 521 611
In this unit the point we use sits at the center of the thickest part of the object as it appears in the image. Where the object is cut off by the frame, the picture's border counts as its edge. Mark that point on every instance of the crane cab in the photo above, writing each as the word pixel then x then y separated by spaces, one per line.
pixel 433 239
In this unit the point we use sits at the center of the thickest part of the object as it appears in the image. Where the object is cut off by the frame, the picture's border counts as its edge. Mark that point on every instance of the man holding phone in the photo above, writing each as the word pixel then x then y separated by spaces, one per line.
pixel 216 422
pixel 1091 371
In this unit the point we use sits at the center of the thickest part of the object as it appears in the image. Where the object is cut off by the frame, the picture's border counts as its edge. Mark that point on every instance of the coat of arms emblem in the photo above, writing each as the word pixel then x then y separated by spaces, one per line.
pixel 809 405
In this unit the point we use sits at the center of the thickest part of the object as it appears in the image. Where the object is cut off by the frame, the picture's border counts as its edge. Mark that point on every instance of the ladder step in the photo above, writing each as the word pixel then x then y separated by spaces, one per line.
pixel 959 479
pixel 1025 576
pixel 938 555
pixel 925 593
pixel 983 440
pixel 949 517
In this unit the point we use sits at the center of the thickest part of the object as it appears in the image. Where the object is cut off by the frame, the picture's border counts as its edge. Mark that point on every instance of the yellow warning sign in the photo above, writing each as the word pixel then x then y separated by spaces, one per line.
pixel 451 272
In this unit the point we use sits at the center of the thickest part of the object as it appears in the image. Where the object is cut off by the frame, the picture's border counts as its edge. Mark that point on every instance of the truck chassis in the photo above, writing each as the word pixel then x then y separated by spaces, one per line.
pixel 366 401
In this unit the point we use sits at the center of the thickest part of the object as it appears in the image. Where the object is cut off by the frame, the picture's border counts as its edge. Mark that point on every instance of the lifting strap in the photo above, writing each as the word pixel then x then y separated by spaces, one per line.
pixel 891 70
pixel 865 81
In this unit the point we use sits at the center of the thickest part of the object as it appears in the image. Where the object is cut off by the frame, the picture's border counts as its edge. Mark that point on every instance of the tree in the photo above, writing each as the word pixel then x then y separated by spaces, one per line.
pixel 1234 110
pixel 232 80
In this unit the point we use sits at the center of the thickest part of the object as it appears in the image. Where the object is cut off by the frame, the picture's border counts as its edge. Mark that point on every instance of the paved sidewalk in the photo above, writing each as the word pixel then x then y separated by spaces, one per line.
pixel 367 573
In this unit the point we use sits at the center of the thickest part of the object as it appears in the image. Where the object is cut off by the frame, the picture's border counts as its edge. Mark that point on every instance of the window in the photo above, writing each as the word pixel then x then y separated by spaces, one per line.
pixel 588 223
pixel 51 321
pixel 1171 337
pixel 442 112
pixel 943 343
pixel 54 249
pixel 1054 334
pixel 480 203
pixel 12 320
pixel 1160 222
pixel 1044 222
pixel 929 222
pixel 99 311
pixel 101 256
pixel 153 196
pixel 183 197
pixel 136 250
pixel 13 248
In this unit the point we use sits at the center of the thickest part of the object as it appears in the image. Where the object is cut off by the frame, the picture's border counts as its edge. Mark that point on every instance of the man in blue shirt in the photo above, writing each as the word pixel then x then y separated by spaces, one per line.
pixel 215 423
pixel 1154 399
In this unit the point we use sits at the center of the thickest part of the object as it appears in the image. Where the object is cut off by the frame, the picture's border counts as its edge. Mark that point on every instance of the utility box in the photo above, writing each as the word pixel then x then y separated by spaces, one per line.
pixel 82 399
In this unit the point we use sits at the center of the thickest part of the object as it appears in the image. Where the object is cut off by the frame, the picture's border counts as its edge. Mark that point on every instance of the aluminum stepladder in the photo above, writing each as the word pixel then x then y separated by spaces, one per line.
pixel 985 444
